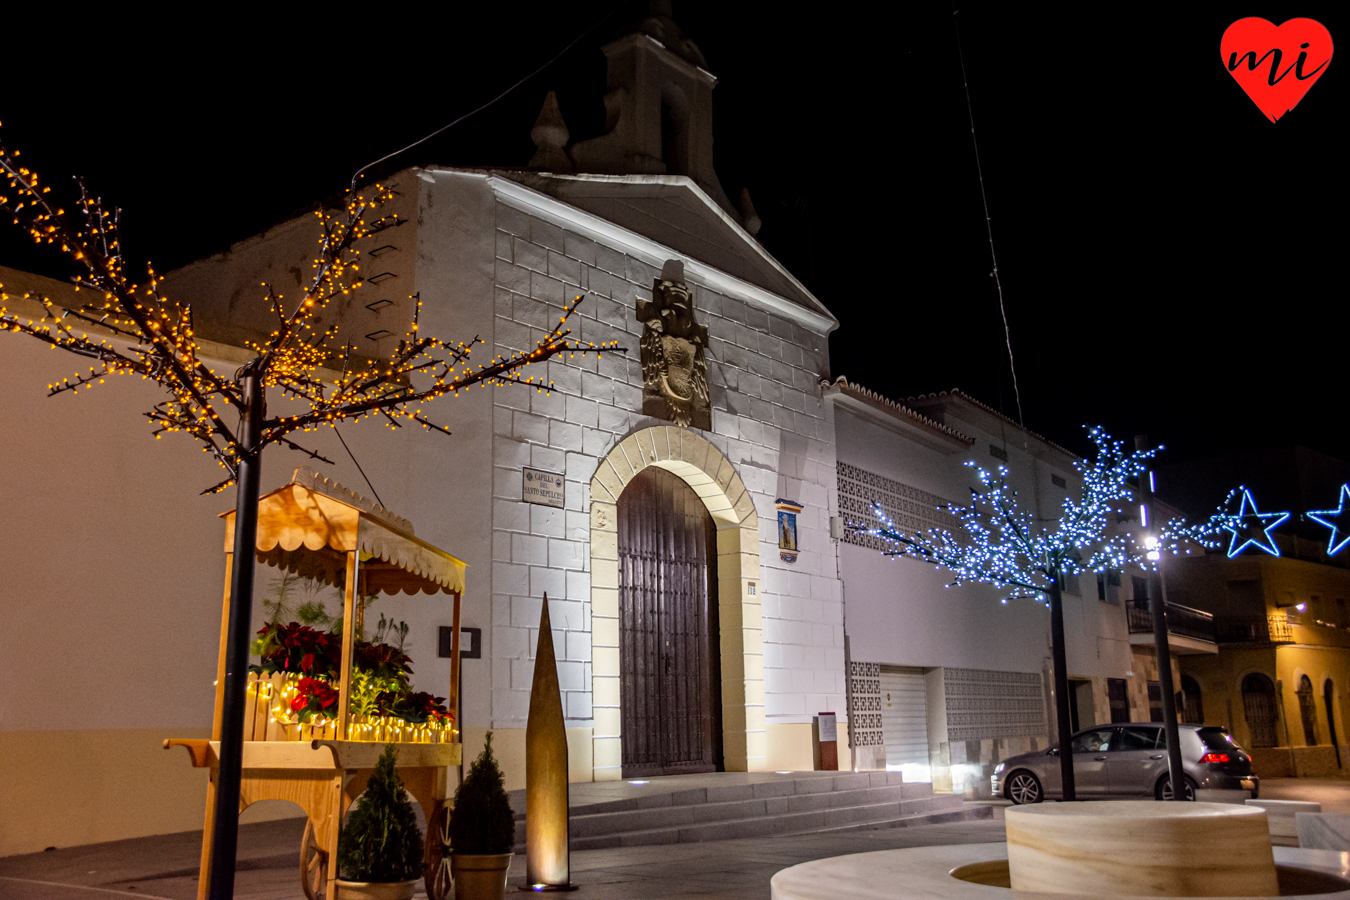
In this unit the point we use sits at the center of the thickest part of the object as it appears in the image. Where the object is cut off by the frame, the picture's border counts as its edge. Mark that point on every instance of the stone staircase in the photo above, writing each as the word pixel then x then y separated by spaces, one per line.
pixel 724 806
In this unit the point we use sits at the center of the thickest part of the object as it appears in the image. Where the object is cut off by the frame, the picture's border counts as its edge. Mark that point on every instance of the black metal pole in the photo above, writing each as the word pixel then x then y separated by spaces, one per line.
pixel 1157 604
pixel 1065 727
pixel 225 836
pixel 1176 774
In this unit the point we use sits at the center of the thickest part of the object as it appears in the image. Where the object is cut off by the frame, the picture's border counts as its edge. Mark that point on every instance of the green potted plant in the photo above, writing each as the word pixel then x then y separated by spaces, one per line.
pixel 380 848
pixel 482 831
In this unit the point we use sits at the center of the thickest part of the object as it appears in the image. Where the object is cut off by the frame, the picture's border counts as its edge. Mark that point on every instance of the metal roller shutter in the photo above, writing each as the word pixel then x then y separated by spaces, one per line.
pixel 904 716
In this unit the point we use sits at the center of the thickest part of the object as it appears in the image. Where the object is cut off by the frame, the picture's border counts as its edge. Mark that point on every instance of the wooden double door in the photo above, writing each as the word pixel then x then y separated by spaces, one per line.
pixel 670 683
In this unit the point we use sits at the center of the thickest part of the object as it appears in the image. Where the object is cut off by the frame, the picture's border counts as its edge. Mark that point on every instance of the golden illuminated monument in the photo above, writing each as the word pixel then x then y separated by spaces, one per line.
pixel 546 854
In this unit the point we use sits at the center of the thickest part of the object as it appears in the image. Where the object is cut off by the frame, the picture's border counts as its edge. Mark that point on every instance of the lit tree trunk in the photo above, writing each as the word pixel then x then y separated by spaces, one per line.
pixel 225 836
pixel 1061 688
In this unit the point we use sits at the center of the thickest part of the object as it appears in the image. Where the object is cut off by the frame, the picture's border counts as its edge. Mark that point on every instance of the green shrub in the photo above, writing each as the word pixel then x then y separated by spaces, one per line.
pixel 381 841
pixel 482 821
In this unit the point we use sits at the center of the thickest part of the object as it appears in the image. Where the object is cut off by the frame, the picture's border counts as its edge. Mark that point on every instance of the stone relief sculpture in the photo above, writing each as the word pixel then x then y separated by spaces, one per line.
pixel 674 367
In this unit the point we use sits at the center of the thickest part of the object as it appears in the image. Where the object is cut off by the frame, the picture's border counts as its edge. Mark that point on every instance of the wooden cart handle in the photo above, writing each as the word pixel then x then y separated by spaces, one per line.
pixel 198 748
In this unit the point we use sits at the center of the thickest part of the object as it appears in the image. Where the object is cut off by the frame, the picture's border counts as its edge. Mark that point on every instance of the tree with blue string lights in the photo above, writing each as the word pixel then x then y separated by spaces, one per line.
pixel 1002 544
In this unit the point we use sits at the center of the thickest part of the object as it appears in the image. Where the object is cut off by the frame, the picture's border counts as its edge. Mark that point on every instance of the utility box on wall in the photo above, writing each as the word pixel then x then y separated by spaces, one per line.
pixel 825 742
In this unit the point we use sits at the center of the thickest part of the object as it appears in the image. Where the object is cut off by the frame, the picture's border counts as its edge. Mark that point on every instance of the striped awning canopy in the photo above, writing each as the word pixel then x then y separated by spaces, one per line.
pixel 310 525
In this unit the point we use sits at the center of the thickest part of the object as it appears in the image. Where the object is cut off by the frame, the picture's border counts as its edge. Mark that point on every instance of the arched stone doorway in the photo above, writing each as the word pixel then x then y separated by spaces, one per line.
pixel 739 638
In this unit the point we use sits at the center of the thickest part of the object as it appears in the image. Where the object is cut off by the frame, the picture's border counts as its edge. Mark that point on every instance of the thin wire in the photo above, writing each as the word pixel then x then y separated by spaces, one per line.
pixel 1007 332
pixel 358 466
pixel 475 112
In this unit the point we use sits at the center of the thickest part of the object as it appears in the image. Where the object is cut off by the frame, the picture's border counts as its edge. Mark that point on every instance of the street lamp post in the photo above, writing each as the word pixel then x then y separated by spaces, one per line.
pixel 1157 601
pixel 224 845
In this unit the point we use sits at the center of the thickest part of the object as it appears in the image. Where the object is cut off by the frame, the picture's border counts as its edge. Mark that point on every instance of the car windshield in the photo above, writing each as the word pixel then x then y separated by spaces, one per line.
pixel 1217 740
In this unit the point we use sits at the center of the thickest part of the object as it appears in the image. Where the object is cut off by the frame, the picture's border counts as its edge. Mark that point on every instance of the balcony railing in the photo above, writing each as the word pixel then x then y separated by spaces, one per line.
pixel 1254 629
pixel 1181 620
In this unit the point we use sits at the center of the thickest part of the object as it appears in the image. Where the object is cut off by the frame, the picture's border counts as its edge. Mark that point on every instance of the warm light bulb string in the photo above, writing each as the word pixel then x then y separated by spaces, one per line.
pixel 988 224
pixel 468 115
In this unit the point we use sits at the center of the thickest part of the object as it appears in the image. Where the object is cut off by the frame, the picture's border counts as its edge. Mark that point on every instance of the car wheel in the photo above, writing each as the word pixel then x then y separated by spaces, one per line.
pixel 1023 787
pixel 1164 789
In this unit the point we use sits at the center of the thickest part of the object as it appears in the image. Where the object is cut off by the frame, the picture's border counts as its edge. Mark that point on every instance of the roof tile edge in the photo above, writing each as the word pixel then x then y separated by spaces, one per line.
pixel 862 393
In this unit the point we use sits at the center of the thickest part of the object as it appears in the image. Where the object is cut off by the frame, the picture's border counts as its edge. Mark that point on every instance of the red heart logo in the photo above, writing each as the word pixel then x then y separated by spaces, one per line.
pixel 1276 65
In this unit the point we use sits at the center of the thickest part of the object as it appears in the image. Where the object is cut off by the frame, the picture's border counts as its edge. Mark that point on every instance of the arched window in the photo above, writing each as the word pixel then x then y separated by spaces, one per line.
pixel 1307 708
pixel 1258 704
pixel 1193 710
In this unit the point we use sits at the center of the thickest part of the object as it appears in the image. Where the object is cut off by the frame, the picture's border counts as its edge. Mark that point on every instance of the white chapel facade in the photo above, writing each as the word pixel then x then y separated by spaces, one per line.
pixel 698 580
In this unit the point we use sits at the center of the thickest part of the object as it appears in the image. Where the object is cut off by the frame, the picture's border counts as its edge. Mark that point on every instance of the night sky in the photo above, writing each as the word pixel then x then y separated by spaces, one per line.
pixel 1172 262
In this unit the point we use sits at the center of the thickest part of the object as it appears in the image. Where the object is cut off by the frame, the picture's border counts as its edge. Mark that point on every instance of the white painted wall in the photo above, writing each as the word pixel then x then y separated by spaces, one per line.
pixel 901 611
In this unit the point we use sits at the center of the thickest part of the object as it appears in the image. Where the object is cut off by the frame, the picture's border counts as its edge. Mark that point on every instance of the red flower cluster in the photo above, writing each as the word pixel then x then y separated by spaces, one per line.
pixel 317 656
pixel 416 707
pixel 298 648
pixel 314 697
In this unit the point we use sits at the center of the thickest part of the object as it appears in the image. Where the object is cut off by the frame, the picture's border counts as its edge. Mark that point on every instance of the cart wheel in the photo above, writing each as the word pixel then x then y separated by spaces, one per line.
pixel 437 873
pixel 313 865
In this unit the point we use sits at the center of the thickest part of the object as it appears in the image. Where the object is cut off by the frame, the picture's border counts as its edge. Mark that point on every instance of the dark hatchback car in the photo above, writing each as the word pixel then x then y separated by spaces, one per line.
pixel 1129 760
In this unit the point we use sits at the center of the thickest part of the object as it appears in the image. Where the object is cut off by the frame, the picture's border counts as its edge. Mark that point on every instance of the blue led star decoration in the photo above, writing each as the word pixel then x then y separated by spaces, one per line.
pixel 1338 520
pixel 1252 528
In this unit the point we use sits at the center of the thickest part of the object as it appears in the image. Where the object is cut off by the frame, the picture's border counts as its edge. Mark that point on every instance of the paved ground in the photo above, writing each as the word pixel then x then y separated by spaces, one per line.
pixel 1332 793
pixel 165 867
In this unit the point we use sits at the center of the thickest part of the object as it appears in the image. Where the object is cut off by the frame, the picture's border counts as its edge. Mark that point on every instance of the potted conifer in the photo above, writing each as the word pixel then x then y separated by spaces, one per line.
pixel 380 848
pixel 482 831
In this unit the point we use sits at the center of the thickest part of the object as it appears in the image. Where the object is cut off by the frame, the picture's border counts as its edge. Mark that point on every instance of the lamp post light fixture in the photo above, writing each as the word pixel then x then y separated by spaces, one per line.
pixel 1157 602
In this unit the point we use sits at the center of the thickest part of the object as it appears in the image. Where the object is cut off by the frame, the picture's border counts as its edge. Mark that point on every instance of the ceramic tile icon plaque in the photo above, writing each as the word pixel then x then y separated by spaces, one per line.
pixel 787 529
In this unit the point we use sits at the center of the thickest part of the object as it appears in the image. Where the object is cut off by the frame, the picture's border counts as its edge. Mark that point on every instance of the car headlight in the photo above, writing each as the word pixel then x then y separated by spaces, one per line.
pixel 998 768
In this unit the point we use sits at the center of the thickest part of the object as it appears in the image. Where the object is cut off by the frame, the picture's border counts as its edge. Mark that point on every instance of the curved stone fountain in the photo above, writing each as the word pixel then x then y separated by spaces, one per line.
pixel 1117 849
pixel 1142 848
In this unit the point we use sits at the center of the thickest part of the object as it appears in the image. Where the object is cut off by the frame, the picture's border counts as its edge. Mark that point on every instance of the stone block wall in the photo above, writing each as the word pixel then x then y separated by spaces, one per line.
pixel 769 420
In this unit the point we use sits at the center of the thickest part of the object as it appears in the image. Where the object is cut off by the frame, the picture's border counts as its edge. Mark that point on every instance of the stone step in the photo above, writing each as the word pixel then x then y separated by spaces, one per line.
pixel 654 795
pixel 851 818
pixel 804 804
pixel 592 823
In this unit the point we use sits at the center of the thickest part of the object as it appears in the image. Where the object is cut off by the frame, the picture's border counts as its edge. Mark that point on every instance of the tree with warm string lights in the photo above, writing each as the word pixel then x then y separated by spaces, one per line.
pixel 1008 547
pixel 154 337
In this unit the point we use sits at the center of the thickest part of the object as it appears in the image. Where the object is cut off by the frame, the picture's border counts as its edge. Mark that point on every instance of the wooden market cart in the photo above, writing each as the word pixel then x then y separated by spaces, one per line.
pixel 314 528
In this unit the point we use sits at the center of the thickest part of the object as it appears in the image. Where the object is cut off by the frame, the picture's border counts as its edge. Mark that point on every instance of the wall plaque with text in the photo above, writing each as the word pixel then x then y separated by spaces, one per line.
pixel 544 488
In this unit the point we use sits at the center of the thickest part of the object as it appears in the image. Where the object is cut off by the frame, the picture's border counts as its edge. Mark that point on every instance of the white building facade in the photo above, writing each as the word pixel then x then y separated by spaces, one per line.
pixel 946 681
pixel 113 562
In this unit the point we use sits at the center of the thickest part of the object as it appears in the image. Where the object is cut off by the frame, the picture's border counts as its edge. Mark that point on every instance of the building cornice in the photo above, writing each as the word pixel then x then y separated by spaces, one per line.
pixel 653 253
pixel 666 54
pixel 896 417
